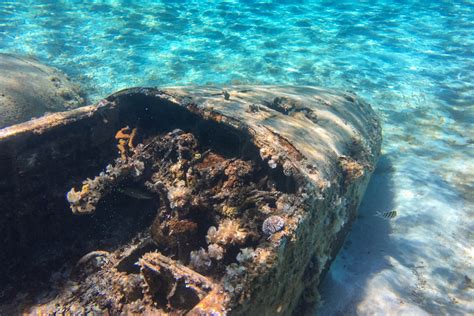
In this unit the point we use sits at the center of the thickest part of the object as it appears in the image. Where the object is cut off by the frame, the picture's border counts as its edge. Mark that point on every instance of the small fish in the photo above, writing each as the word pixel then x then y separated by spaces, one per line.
pixel 135 193
pixel 388 215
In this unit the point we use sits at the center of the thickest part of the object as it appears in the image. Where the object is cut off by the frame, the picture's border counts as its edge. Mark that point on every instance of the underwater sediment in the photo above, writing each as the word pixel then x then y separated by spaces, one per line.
pixel 187 200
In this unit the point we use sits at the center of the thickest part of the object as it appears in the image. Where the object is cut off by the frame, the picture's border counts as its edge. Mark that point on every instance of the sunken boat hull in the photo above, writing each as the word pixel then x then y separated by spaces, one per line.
pixel 187 200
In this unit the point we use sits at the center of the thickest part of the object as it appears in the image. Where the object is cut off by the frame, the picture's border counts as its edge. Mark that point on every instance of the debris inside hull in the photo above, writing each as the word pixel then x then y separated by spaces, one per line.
pixel 183 201
pixel 215 219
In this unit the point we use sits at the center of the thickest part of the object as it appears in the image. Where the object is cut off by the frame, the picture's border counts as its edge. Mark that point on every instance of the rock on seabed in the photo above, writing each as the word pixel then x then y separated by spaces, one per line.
pixel 30 89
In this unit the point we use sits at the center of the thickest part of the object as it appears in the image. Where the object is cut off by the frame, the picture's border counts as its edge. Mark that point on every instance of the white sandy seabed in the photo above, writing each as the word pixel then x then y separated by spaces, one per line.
pixel 420 262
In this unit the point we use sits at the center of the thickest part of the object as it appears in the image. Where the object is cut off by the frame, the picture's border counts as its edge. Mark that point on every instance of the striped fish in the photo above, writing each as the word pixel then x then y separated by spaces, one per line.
pixel 387 215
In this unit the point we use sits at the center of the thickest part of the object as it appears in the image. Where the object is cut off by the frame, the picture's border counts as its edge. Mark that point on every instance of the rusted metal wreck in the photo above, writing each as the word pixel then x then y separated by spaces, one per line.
pixel 182 200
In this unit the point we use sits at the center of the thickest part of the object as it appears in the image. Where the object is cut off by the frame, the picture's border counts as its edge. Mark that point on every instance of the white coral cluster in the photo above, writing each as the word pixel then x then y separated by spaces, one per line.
pixel 137 168
pixel 73 196
pixel 200 260
pixel 245 255
pixel 85 201
pixel 179 195
pixel 228 233
pixel 215 251
pixel 273 224
pixel 259 256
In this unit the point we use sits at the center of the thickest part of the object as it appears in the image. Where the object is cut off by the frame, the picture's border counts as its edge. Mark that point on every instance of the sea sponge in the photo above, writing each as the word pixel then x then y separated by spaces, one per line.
pixel 132 139
pixel 123 133
pixel 126 140
pixel 122 149
pixel 229 211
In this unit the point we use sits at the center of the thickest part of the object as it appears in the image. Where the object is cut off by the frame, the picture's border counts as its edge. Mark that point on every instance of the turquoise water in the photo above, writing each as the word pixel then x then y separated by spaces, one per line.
pixel 413 60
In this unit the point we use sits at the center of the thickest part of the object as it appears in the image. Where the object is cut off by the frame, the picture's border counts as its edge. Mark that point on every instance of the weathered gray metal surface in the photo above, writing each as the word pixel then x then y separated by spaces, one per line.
pixel 320 124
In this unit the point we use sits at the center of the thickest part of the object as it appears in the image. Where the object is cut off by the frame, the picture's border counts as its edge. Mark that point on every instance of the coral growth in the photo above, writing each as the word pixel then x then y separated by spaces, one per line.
pixel 200 260
pixel 351 169
pixel 229 211
pixel 85 201
pixel 216 251
pixel 93 190
pixel 215 213
pixel 273 224
pixel 229 232
pixel 126 141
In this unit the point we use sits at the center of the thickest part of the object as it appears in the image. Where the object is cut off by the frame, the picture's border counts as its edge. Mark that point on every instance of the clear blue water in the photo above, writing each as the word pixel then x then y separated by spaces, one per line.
pixel 413 60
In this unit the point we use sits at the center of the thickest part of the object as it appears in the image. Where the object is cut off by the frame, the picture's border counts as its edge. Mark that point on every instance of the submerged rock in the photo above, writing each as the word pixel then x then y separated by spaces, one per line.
pixel 30 89
pixel 241 200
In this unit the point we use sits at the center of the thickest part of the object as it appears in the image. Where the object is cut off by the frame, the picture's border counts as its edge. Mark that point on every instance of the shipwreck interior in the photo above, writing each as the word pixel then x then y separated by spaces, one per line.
pixel 144 205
